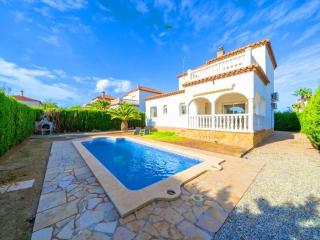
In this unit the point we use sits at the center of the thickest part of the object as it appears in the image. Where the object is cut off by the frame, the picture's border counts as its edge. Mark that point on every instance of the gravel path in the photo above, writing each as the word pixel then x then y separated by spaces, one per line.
pixel 284 200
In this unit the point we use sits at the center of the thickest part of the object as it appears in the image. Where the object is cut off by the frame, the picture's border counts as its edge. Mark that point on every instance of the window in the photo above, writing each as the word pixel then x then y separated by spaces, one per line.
pixel 236 108
pixel 153 112
pixel 182 109
pixel 165 109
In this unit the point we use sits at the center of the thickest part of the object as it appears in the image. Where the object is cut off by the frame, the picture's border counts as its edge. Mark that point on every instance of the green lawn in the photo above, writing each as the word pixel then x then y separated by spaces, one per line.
pixel 164 136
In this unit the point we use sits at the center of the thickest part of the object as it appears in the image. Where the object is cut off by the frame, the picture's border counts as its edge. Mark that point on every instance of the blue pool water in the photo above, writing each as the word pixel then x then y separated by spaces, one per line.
pixel 137 165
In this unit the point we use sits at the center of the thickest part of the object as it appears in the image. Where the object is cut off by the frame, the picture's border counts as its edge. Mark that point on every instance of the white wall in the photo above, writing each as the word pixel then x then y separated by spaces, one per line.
pixel 31 103
pixel 140 97
pixel 172 118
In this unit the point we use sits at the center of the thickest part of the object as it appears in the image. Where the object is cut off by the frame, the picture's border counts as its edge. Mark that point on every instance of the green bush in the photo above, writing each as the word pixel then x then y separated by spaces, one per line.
pixel 310 119
pixel 72 120
pixel 84 120
pixel 16 122
pixel 287 121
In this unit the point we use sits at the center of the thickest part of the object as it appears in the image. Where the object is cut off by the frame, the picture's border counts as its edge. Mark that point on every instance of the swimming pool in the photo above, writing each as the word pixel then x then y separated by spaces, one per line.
pixel 137 165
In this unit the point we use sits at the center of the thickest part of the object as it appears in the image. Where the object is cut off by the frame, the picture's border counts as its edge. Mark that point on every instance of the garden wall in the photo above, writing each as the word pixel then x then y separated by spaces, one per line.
pixel 16 122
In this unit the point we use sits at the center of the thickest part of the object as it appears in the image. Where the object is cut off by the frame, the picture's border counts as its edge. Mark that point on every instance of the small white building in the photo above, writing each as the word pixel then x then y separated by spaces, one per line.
pixel 137 97
pixel 26 100
pixel 227 100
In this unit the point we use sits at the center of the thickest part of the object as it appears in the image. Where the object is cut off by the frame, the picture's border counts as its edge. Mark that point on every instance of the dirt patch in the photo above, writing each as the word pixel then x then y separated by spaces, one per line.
pixel 18 209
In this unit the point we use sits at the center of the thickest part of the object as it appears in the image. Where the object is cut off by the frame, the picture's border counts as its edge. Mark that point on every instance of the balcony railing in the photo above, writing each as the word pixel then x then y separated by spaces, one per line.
pixel 225 122
pixel 120 101
pixel 219 67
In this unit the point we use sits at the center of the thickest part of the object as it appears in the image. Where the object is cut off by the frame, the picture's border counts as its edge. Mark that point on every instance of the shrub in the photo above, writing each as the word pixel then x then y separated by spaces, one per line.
pixel 72 120
pixel 310 119
pixel 83 120
pixel 16 122
pixel 286 121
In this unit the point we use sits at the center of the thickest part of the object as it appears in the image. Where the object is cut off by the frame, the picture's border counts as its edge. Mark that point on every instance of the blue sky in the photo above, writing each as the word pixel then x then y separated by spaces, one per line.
pixel 68 51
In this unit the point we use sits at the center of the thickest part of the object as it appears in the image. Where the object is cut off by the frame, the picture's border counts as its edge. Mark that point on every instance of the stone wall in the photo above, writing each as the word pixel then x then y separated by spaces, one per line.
pixel 241 139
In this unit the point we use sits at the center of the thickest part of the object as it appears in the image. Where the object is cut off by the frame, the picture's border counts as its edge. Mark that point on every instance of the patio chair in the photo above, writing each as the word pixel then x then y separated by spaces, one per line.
pixel 146 131
pixel 137 131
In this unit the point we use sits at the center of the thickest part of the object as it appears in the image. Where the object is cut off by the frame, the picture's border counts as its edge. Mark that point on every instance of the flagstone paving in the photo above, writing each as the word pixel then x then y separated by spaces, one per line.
pixel 74 206
pixel 16 186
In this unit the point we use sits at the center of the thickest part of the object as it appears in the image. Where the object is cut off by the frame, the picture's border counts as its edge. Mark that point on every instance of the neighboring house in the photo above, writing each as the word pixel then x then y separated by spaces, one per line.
pixel 26 100
pixel 227 100
pixel 103 97
pixel 137 97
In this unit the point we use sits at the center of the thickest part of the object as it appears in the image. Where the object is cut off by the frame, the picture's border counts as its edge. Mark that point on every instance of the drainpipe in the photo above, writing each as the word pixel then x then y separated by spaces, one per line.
pixel 251 114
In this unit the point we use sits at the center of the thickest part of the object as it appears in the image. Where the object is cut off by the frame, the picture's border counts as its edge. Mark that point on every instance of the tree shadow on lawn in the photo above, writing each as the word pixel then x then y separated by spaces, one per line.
pixel 285 221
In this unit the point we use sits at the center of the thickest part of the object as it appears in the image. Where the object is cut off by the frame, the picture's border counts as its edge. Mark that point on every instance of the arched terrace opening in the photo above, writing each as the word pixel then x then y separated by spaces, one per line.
pixel 231 103
pixel 200 114
pixel 200 106
pixel 231 113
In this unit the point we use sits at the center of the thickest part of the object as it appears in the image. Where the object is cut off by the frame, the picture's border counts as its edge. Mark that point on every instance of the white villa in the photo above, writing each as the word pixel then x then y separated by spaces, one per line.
pixel 229 100
pixel 26 100
pixel 137 97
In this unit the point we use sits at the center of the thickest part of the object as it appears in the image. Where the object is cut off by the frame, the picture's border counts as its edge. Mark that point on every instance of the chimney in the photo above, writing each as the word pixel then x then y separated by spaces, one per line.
pixel 103 94
pixel 220 52
pixel 21 93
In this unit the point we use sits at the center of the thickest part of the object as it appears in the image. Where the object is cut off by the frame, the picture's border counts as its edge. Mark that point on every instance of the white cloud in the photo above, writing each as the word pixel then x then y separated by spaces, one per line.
pixel 112 84
pixel 52 39
pixel 64 5
pixel 21 17
pixel 299 69
pixel 308 33
pixel 303 12
pixel 102 7
pixel 141 6
pixel 32 82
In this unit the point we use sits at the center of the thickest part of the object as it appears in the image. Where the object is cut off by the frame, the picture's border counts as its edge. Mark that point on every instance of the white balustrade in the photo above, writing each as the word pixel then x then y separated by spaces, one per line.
pixel 225 122
pixel 218 67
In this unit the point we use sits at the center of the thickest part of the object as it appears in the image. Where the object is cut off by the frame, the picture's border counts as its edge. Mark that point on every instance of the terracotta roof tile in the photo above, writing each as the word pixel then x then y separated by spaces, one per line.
pixel 146 89
pixel 254 67
pixel 165 95
pixel 106 97
pixel 23 98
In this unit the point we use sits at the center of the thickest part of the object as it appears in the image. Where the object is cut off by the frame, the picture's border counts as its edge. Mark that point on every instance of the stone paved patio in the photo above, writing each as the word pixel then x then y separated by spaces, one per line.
pixel 74 206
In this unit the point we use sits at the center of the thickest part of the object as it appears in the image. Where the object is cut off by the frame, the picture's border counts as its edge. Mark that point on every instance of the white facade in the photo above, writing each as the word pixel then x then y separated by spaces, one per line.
pixel 31 103
pixel 137 97
pixel 230 94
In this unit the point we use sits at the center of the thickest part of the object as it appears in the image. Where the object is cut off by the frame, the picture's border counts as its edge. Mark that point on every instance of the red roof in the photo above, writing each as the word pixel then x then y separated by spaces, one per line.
pixel 106 97
pixel 25 99
pixel 146 89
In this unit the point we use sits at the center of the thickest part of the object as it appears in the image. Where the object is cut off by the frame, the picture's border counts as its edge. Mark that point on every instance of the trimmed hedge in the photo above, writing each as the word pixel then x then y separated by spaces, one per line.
pixel 16 122
pixel 310 119
pixel 287 121
pixel 84 120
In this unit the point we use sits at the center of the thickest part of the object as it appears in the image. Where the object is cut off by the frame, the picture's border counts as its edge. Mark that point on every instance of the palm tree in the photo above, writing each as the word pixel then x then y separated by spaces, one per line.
pixel 101 104
pixel 305 94
pixel 125 112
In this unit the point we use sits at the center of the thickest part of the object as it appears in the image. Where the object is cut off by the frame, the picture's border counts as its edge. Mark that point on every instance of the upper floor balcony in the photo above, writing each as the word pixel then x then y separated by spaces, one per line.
pixel 228 64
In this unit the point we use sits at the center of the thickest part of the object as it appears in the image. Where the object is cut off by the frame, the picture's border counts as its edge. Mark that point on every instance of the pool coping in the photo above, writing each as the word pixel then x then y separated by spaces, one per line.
pixel 127 201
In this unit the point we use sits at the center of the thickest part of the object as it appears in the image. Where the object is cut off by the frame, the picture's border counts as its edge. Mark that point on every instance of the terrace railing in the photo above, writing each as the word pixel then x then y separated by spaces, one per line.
pixel 225 122
pixel 219 67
